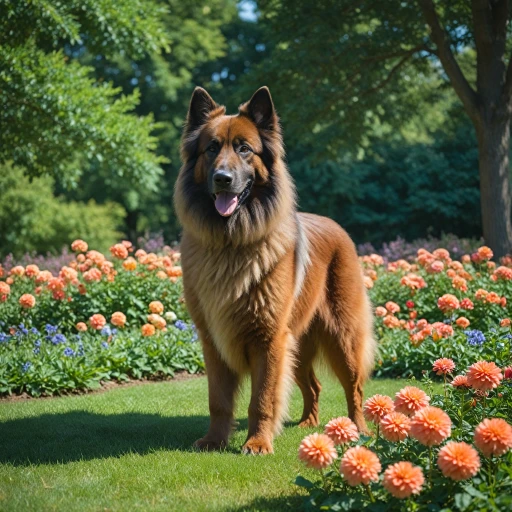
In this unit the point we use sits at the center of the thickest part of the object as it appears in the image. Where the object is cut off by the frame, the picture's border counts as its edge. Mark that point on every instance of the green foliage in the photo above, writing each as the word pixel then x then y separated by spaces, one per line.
pixel 32 219
pixel 55 116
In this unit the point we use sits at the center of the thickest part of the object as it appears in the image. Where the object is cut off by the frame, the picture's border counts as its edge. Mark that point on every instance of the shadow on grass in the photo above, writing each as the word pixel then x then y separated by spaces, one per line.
pixel 82 435
pixel 282 503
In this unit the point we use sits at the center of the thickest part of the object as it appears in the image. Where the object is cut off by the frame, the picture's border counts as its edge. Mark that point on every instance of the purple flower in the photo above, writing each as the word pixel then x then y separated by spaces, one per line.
pixel 69 352
pixel 181 325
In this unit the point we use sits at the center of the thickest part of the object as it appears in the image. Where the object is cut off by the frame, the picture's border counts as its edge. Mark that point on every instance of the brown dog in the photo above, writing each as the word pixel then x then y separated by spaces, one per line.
pixel 267 287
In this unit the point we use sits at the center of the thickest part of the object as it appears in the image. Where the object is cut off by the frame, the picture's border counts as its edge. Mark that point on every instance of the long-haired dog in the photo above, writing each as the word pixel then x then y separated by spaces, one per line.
pixel 268 288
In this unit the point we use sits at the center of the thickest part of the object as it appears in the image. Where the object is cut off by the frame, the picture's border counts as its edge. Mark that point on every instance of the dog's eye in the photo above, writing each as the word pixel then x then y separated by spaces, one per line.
pixel 212 148
pixel 244 148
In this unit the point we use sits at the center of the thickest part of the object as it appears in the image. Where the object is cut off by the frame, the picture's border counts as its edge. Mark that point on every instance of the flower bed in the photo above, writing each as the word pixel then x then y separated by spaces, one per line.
pixel 437 307
pixel 448 451
pixel 96 320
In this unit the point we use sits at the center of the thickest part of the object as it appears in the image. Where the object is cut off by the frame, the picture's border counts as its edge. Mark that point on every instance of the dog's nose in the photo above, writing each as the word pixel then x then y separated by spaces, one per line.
pixel 222 178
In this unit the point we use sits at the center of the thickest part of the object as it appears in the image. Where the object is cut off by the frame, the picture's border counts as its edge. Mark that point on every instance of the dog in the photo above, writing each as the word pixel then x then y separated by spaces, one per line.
pixel 268 288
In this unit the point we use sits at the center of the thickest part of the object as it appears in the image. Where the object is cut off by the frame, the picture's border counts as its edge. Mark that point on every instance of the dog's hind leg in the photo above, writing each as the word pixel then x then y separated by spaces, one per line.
pixel 223 385
pixel 306 379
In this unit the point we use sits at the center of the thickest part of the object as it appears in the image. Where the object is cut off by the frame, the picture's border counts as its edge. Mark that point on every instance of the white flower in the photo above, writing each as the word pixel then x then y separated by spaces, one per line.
pixel 171 315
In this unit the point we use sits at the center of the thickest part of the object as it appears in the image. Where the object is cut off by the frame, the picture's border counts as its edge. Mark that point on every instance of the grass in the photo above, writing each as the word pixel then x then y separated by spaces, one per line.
pixel 130 449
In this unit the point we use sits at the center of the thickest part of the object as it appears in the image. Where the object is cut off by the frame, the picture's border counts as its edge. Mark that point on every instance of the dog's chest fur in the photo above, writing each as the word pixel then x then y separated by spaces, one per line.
pixel 238 291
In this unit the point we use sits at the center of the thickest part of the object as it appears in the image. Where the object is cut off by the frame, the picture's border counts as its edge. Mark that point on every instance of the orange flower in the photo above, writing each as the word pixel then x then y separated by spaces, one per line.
pixel 97 321
pixel 68 274
pixel 413 281
pixel 443 366
pixel 342 430
pixel 505 322
pixel 368 283
pixel 79 246
pixel 377 406
pixel 119 251
pixel 81 326
pixel 156 307
pixel 94 274
pixel 175 272
pixel 317 451
pixel 466 258
pixel 18 270
pixel 442 254
pixel 448 302
pixel 462 322
pixel 435 267
pixel 458 461
pixel 157 321
pixel 31 270
pixel 118 319
pixel 484 253
pixel 130 263
pixel 95 257
pixel 395 426
pixel 493 298
pixel 27 301
pixel 391 322
pixel 466 304
pixel 504 273
pixel 481 294
pixel 403 479
pixel 5 289
pixel 410 399
pixel 493 437
pixel 380 311
pixel 484 375
pixel 431 426
pixel 360 466
pixel 148 330
pixel 460 381
pixel 43 277
pixel 392 307
pixel 459 283
pixel 441 330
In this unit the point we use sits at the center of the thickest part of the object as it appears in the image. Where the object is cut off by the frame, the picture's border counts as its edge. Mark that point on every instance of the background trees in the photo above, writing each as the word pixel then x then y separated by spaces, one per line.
pixel 374 100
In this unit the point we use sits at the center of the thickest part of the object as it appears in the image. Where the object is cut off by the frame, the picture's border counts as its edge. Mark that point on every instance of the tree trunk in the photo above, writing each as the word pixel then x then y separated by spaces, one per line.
pixel 493 135
pixel 131 219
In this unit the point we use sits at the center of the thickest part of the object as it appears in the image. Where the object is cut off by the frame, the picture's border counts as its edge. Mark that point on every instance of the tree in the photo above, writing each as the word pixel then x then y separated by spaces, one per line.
pixel 349 63
pixel 55 118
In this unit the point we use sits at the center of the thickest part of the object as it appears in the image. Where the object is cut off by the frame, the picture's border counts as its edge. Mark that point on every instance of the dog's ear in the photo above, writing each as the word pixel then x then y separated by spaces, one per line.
pixel 201 104
pixel 260 109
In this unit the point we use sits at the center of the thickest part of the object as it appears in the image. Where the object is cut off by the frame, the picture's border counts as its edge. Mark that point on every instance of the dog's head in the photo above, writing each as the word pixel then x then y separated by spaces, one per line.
pixel 233 176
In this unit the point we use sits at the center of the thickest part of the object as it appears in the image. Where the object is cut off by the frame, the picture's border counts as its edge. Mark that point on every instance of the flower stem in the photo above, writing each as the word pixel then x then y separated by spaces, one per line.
pixel 370 495
pixel 430 466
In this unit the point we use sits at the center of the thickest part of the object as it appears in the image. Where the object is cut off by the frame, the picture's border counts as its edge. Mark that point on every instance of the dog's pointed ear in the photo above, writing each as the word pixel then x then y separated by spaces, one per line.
pixel 260 108
pixel 201 104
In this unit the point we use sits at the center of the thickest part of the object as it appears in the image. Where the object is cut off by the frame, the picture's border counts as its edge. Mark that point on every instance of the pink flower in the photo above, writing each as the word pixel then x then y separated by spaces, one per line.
pixel 410 399
pixel 79 246
pixel 458 461
pixel 403 479
pixel 342 430
pixel 97 321
pixel 377 406
pixel 360 466
pixel 460 381
pixel 317 451
pixel 448 302
pixel 443 366
pixel 484 375
pixel 493 437
pixel 392 307
pixel 431 426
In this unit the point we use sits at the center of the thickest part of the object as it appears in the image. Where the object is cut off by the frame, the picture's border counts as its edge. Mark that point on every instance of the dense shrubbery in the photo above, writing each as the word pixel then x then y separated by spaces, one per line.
pixel 437 307
pixel 96 320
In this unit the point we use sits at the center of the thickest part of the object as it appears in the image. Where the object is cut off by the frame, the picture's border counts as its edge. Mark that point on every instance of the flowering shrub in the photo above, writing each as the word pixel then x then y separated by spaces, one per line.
pixel 449 451
pixel 97 319
pixel 435 307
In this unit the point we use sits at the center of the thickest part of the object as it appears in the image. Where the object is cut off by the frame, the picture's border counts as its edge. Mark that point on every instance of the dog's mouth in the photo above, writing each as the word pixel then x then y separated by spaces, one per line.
pixel 228 203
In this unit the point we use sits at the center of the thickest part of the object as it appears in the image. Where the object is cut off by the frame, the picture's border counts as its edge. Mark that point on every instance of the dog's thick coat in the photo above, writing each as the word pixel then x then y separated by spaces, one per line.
pixel 268 288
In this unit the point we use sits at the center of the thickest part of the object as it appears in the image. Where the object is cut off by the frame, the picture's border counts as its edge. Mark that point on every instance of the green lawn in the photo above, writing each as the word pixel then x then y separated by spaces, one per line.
pixel 130 449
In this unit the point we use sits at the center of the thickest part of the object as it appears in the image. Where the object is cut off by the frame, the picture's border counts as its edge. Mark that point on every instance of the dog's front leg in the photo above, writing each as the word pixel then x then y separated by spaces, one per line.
pixel 222 388
pixel 270 365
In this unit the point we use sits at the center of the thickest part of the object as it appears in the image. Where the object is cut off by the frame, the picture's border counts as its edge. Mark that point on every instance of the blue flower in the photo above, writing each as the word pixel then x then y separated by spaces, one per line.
pixel 104 344
pixel 194 337
pixel 36 350
pixel 25 367
pixel 475 337
pixel 50 329
pixel 181 325
pixel 4 338
pixel 34 330
pixel 69 352
pixel 58 338
pixel 106 331
pixel 37 343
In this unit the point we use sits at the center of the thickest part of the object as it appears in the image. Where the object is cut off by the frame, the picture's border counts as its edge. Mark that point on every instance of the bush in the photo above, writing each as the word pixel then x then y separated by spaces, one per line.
pixel 90 322
pixel 33 220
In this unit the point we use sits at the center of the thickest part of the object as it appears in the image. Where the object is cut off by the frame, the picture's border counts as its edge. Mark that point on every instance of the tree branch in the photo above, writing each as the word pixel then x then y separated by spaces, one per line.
pixel 459 82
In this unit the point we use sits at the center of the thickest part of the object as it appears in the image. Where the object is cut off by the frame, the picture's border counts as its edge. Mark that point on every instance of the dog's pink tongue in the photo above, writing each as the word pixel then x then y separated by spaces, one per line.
pixel 226 203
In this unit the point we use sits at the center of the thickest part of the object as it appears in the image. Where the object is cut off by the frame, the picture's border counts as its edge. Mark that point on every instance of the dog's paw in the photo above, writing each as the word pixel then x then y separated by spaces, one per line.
pixel 309 422
pixel 257 447
pixel 209 445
